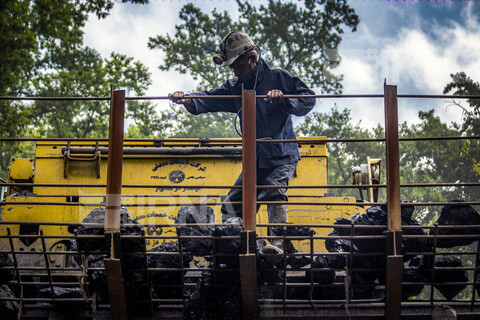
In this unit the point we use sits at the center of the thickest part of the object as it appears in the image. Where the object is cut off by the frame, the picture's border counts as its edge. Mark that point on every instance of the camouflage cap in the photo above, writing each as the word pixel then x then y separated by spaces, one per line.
pixel 234 45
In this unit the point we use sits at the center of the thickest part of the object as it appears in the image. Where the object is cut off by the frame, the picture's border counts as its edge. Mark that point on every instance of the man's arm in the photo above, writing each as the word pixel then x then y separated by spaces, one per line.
pixel 288 84
pixel 198 106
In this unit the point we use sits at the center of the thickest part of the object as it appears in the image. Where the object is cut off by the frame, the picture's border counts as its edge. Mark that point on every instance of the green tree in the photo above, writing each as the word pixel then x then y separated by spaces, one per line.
pixel 433 161
pixel 463 85
pixel 42 53
pixel 87 75
pixel 301 39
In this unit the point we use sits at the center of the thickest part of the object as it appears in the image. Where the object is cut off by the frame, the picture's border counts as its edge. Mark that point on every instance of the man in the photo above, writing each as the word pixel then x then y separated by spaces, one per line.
pixel 276 162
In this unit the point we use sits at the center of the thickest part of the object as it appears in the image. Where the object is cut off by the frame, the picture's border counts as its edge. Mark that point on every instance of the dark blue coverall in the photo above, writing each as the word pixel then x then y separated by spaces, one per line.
pixel 276 162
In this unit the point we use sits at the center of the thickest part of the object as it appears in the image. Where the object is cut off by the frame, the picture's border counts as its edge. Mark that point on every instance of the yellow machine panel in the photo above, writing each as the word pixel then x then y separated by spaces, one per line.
pixel 21 170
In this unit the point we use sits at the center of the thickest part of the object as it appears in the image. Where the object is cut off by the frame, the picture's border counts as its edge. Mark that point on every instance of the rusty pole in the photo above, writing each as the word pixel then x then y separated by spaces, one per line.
pixel 249 162
pixel 394 270
pixel 248 271
pixel 115 162
pixel 113 265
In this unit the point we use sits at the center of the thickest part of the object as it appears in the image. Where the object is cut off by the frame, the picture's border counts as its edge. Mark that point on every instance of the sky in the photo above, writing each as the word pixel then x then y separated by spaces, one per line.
pixel 414 45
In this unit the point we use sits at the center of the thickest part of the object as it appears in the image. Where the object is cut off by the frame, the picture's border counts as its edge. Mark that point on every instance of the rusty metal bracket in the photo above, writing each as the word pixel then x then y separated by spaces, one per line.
pixel 116 289
pixel 97 157
pixel 248 275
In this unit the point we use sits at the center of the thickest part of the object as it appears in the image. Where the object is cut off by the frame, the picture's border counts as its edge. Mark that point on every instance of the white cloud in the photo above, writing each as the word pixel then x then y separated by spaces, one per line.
pixel 414 61
pixel 127 30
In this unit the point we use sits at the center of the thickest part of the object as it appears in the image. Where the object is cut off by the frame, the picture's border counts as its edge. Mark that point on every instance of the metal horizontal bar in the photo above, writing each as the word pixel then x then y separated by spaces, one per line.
pixel 344 186
pixel 287 96
pixel 162 151
pixel 234 141
pixel 438 96
pixel 54 98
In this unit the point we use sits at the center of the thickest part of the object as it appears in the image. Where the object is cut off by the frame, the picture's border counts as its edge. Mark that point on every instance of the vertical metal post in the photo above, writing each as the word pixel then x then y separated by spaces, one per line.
pixel 249 162
pixel 394 234
pixel 248 272
pixel 113 266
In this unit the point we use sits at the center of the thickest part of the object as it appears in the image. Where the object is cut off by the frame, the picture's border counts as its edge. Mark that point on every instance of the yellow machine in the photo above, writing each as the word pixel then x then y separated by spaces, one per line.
pixel 69 181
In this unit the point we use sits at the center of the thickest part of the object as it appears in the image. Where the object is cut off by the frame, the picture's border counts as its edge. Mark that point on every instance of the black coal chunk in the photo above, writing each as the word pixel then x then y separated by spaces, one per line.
pixel 8 305
pixel 194 215
pixel 6 274
pixel 167 284
pixel 299 261
pixel 416 277
pixel 452 215
pixel 231 228
pixel 449 291
pixel 341 246
pixel 326 276
pixel 293 231
pixel 59 293
pixel 228 249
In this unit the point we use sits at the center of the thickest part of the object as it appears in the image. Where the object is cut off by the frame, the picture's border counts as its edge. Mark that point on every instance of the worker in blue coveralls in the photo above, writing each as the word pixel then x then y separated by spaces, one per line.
pixel 276 162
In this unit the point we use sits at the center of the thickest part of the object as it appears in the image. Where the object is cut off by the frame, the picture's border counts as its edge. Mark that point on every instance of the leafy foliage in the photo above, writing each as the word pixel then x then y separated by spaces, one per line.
pixel 42 53
pixel 463 85
pixel 83 119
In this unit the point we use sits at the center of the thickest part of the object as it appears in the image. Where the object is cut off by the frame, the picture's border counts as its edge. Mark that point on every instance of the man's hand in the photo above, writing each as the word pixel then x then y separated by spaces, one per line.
pixel 275 96
pixel 179 98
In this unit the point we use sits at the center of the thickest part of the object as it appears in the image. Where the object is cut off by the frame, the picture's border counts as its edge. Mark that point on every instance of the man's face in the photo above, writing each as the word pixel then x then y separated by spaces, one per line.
pixel 242 69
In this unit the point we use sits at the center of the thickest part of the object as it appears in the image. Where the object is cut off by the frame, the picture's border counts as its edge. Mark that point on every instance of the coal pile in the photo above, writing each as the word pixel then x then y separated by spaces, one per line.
pixel 375 216
pixel 217 295
pixel 167 284
pixel 96 276
pixel 227 250
pixel 211 302
pixel 449 291
pixel 135 278
pixel 196 215
pixel 6 274
pixel 370 253
pixel 452 215
pixel 8 308
pixel 67 308
pixel 320 276
pixel 8 305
